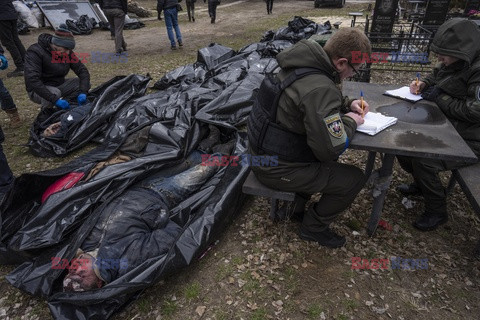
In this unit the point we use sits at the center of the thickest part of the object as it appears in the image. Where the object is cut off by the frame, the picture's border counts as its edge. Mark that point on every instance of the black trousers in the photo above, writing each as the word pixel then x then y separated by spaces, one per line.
pixel 269 6
pixel 10 40
pixel 191 10
pixel 212 10
pixel 339 184
pixel 425 173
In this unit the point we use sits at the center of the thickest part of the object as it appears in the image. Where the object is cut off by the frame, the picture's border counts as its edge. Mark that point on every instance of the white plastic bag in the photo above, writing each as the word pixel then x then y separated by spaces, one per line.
pixel 25 14
pixel 38 15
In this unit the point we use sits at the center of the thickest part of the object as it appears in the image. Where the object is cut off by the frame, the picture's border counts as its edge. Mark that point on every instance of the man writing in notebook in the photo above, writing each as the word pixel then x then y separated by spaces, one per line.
pixel 454 86
pixel 309 129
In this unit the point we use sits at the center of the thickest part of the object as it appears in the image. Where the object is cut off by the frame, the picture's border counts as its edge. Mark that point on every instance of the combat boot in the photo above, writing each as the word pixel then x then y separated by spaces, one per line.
pixel 429 221
pixel 326 238
pixel 15 120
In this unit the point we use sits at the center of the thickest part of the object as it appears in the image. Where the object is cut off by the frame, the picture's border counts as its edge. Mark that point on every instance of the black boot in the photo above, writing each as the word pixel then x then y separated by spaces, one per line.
pixel 409 189
pixel 326 238
pixel 430 221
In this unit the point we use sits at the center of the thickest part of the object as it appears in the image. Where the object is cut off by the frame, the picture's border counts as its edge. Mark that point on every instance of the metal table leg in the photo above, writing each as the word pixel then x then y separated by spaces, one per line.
pixel 370 163
pixel 380 188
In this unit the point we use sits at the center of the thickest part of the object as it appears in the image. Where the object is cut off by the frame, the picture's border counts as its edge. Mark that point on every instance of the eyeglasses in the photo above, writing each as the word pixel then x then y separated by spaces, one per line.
pixel 354 70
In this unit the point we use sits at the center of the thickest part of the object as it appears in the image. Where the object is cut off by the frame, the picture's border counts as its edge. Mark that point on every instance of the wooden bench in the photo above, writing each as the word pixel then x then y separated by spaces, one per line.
pixel 254 187
pixel 469 180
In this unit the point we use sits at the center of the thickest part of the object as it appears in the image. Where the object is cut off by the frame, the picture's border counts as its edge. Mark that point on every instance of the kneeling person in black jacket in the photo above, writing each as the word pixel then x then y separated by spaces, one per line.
pixel 47 63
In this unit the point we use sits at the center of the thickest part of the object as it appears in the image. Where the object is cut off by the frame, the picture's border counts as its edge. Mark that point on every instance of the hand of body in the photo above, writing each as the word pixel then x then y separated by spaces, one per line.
pixel 416 89
pixel 3 62
pixel 62 104
pixel 81 99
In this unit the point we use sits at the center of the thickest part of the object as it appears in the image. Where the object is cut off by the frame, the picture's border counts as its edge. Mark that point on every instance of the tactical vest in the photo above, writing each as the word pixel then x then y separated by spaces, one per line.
pixel 264 134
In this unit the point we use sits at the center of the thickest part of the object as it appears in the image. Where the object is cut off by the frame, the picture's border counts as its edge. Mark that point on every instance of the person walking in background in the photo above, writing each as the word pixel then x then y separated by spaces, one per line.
pixel 115 11
pixel 212 9
pixel 170 12
pixel 9 36
pixel 191 9
pixel 6 101
pixel 269 6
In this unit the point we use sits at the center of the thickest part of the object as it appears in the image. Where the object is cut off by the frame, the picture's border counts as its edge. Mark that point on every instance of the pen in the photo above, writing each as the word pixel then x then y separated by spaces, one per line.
pixel 418 78
pixel 361 101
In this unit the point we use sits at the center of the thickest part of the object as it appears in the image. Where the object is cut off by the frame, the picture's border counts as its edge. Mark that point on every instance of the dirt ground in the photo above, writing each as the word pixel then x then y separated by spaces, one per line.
pixel 259 269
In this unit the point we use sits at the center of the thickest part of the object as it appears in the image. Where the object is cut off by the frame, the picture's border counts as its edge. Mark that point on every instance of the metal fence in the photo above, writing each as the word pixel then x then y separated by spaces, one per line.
pixel 406 48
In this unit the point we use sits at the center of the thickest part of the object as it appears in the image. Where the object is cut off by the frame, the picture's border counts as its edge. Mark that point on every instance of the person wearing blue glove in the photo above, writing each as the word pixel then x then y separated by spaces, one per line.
pixel 47 63
pixel 454 85
pixel 6 101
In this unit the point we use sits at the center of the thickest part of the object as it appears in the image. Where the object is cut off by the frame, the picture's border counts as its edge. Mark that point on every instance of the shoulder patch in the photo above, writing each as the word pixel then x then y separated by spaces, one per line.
pixel 334 125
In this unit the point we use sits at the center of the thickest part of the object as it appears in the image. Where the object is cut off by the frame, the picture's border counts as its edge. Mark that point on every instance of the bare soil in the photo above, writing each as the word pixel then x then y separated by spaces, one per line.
pixel 259 269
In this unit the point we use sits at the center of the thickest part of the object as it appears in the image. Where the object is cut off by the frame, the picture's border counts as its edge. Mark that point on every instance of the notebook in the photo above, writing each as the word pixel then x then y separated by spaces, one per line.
pixel 375 122
pixel 403 93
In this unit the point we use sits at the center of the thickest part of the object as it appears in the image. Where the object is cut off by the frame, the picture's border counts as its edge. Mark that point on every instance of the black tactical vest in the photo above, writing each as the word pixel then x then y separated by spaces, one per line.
pixel 264 134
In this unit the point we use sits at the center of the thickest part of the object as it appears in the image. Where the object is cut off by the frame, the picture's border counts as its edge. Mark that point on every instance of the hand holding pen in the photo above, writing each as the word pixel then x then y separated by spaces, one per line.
pixel 417 86
pixel 359 108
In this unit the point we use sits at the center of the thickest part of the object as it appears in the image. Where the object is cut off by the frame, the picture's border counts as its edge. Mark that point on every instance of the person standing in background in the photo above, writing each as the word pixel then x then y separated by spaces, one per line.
pixel 170 12
pixel 191 9
pixel 212 9
pixel 9 36
pixel 269 6
pixel 6 101
pixel 115 11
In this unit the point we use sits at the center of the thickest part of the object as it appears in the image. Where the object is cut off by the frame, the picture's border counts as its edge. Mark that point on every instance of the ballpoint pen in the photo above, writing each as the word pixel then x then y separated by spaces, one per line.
pixel 418 78
pixel 361 101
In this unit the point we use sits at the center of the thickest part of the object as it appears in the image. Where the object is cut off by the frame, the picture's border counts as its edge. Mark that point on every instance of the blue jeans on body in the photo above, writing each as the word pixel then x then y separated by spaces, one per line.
pixel 175 184
pixel 6 100
pixel 171 22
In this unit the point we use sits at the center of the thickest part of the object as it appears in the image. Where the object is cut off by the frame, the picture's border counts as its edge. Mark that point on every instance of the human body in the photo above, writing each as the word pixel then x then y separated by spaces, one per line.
pixel 137 226
pixel 318 122
pixel 47 63
pixel 170 14
pixel 454 86
pixel 9 36
pixel 115 11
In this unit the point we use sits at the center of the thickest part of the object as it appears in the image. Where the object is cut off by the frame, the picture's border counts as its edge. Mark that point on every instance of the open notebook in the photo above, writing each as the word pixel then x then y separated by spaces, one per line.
pixel 375 122
pixel 403 93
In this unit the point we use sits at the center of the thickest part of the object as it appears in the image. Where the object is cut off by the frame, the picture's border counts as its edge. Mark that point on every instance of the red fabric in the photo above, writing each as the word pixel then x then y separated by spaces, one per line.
pixel 385 225
pixel 65 182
